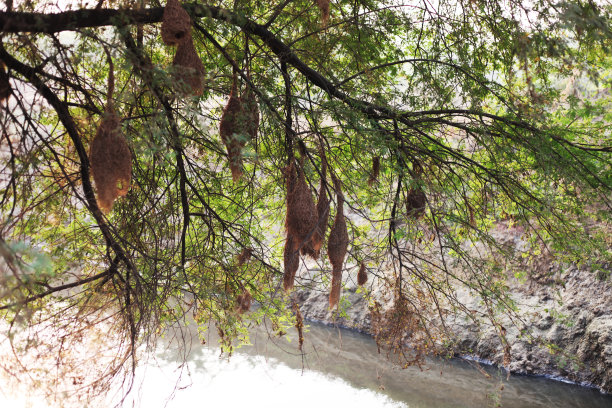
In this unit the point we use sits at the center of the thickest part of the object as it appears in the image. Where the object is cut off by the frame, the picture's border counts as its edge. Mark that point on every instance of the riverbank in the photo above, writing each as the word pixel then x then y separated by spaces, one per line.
pixel 568 312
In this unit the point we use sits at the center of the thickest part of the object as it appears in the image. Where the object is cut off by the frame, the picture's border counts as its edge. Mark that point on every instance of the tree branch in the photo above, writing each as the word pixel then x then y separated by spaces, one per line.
pixel 106 274
pixel 68 123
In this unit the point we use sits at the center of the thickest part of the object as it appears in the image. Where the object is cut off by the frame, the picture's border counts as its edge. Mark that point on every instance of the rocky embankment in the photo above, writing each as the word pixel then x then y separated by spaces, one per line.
pixel 567 311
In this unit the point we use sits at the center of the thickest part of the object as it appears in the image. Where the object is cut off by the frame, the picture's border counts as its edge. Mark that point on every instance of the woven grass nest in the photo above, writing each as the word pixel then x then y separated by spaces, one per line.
pixel 176 23
pixel 244 256
pixel 239 124
pixel 301 220
pixel 337 245
pixel 323 6
pixel 230 131
pixel 111 160
pixel 313 248
pixel 243 301
pixel 415 203
pixel 189 70
pixel 362 275
pixel 109 153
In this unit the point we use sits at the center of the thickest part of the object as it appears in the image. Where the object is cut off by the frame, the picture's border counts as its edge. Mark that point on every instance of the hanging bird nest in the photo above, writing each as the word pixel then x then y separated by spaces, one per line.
pixel 323 6
pixel 362 275
pixel 416 201
pixel 244 256
pixel 109 153
pixel 243 301
pixel 176 23
pixel 375 171
pixel 5 86
pixel 111 160
pixel 189 70
pixel 301 220
pixel 322 220
pixel 231 128
pixel 291 261
pixel 315 244
pixel 337 245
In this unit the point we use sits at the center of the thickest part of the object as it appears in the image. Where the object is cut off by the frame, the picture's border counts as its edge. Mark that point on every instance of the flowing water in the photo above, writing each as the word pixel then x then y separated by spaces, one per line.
pixel 339 368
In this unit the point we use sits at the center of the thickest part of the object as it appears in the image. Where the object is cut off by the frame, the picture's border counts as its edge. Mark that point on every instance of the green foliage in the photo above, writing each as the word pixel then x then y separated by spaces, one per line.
pixel 505 108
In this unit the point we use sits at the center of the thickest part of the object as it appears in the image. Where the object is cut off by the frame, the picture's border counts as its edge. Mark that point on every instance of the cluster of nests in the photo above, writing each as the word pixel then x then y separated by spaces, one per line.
pixel 110 156
pixel 306 224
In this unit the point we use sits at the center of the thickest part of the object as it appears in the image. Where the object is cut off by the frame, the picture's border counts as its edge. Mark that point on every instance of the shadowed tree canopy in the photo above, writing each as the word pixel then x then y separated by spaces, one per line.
pixel 432 122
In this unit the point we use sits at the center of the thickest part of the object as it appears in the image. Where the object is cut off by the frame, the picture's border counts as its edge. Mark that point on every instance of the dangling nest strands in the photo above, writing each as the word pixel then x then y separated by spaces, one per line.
pixel 244 256
pixel 375 171
pixel 189 70
pixel 111 161
pixel 243 301
pixel 291 261
pixel 176 23
pixel 5 86
pixel 362 275
pixel 301 219
pixel 232 132
pixel 323 6
pixel 299 325
pixel 337 245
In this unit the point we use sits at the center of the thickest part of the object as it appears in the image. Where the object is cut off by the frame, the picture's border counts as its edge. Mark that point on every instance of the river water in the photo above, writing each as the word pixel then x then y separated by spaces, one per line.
pixel 339 368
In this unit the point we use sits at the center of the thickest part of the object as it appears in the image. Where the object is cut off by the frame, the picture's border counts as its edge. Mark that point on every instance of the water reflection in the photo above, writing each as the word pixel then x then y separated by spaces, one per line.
pixel 337 368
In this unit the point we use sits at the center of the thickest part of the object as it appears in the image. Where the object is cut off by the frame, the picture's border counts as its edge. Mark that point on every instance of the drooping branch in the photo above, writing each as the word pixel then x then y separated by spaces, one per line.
pixel 105 275
pixel 38 22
